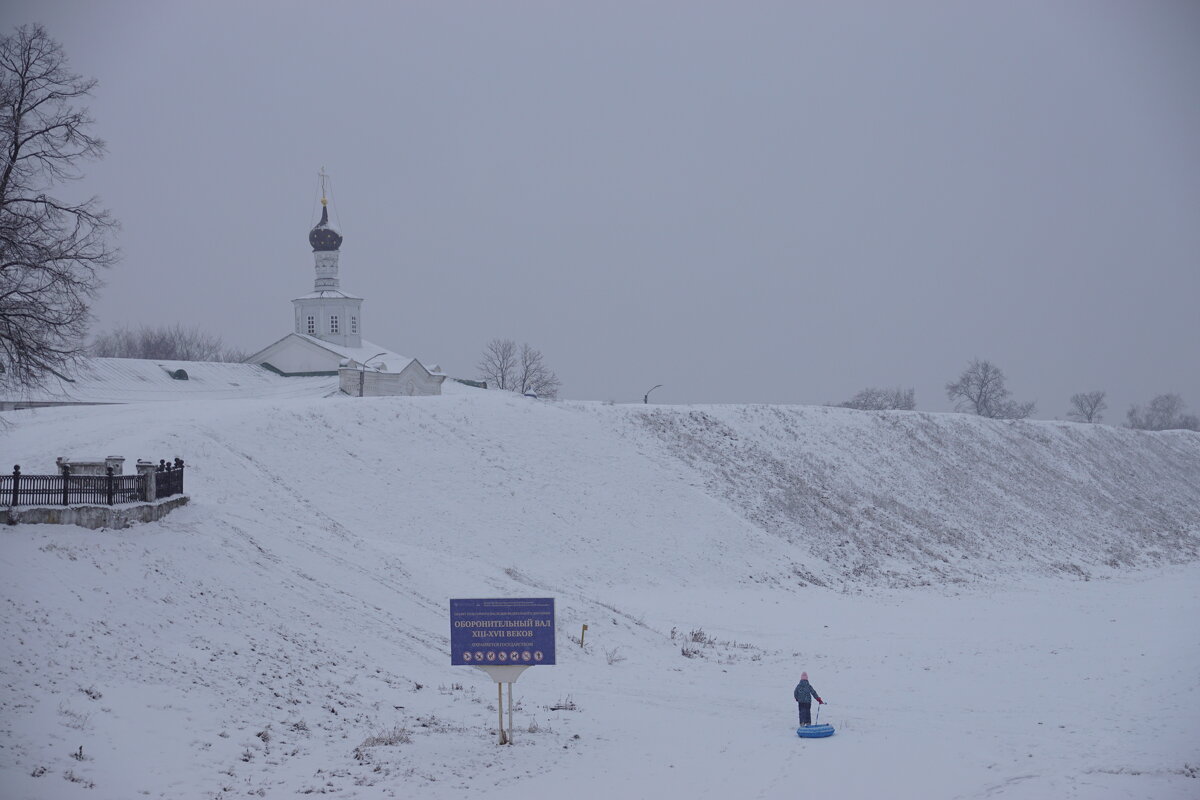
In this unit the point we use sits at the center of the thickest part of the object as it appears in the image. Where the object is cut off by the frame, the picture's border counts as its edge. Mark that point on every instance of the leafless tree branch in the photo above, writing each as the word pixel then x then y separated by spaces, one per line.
pixel 534 376
pixel 1087 406
pixel 981 390
pixel 505 366
pixel 498 364
pixel 51 251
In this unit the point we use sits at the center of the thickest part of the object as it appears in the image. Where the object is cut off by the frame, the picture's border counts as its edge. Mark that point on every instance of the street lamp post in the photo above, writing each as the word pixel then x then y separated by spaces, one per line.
pixel 646 396
pixel 362 372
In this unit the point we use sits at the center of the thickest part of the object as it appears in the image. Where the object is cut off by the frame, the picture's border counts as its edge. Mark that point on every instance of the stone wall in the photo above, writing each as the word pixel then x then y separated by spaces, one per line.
pixel 90 466
pixel 92 517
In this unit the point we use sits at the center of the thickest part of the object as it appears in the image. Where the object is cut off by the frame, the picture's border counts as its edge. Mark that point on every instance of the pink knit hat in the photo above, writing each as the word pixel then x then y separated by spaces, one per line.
pixel 803 676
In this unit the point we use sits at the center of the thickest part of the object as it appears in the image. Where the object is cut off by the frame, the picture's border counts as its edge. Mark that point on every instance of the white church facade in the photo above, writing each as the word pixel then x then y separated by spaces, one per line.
pixel 327 335
pixel 324 355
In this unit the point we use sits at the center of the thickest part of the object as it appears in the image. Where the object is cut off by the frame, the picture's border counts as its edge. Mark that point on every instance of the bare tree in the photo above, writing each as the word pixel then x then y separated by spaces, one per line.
pixel 873 399
pixel 498 364
pixel 981 390
pixel 1087 406
pixel 505 366
pixel 51 249
pixel 173 342
pixel 1164 413
pixel 533 375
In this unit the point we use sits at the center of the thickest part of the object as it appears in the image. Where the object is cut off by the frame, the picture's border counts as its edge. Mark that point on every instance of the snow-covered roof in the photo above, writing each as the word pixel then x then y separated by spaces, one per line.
pixel 323 294
pixel 372 353
pixel 136 380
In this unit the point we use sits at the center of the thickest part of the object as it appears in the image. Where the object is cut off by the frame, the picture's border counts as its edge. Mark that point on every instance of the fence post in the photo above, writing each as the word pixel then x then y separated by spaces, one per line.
pixel 66 474
pixel 179 466
pixel 16 482
pixel 145 471
pixel 109 472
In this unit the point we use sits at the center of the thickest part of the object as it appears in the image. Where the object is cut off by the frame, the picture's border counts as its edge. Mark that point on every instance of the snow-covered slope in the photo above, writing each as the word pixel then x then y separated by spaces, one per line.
pixel 288 628
pixel 908 497
pixel 144 380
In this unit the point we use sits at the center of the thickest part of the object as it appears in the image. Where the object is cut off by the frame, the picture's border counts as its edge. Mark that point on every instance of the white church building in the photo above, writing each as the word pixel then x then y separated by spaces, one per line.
pixel 326 337
pixel 324 355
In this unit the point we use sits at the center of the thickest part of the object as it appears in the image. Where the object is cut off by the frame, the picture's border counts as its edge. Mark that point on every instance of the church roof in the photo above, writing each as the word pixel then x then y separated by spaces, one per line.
pixel 370 353
pixel 335 294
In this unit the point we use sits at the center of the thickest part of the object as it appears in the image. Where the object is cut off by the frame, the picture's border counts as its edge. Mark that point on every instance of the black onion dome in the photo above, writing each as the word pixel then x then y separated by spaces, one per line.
pixel 324 237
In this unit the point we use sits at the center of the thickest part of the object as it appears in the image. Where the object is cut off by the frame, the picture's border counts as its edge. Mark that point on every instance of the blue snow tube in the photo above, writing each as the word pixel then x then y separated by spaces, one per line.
pixel 814 731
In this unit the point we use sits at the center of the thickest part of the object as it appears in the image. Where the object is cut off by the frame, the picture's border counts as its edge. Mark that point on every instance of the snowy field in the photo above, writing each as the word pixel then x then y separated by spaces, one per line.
pixel 992 610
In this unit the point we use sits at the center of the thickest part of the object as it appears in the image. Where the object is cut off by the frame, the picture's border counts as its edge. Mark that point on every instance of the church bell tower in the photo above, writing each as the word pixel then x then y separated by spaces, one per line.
pixel 328 313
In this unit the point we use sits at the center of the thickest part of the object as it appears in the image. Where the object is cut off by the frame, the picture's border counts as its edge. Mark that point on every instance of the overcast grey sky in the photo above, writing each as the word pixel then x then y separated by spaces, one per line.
pixel 745 202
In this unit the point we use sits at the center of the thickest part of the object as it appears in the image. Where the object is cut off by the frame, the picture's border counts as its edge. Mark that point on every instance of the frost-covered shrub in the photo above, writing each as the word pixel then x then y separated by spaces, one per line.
pixel 388 738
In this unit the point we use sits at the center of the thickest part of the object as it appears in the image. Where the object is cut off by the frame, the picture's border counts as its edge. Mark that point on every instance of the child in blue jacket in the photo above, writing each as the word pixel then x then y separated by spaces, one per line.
pixel 804 695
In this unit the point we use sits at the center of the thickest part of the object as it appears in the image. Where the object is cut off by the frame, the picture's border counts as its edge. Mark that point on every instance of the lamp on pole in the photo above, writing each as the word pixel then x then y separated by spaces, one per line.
pixel 362 372
pixel 646 396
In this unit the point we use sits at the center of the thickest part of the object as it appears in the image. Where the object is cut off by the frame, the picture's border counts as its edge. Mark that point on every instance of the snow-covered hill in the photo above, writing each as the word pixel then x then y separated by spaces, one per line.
pixel 903 498
pixel 287 631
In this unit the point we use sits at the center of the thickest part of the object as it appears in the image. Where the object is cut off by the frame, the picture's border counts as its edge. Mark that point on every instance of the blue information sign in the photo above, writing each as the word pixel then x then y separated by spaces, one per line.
pixel 502 632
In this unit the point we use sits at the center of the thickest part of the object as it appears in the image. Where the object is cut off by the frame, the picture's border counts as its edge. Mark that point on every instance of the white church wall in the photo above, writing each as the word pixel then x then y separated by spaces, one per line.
pixel 347 310
pixel 412 381
pixel 294 356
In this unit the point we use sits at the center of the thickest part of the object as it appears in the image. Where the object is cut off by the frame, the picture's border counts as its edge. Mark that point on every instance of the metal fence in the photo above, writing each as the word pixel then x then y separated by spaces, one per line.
pixel 168 478
pixel 66 489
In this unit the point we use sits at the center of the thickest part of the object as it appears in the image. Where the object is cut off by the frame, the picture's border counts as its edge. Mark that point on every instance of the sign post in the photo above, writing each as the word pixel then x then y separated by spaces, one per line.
pixel 503 637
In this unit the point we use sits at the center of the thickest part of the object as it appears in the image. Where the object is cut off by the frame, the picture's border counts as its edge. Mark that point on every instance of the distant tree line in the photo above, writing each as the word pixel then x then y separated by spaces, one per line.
pixel 168 342
pixel 1164 413
pixel 982 389
pixel 874 399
